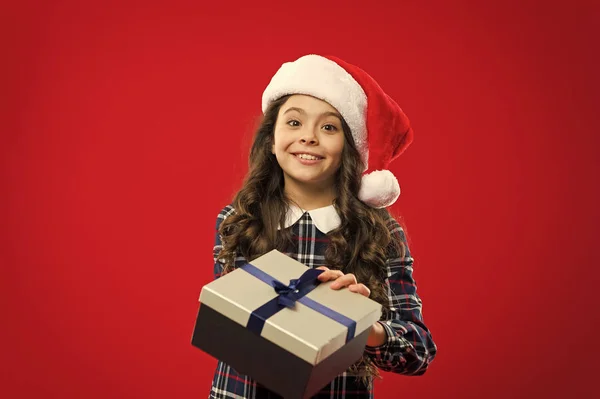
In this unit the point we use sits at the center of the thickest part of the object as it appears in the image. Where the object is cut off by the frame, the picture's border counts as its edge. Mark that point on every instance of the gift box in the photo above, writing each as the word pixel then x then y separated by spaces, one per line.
pixel 272 320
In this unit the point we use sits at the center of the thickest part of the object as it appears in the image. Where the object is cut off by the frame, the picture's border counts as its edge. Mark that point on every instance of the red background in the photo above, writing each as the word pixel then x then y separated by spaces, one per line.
pixel 124 132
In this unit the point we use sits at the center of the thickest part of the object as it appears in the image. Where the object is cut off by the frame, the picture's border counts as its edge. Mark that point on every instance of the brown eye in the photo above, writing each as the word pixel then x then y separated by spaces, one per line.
pixel 294 123
pixel 330 128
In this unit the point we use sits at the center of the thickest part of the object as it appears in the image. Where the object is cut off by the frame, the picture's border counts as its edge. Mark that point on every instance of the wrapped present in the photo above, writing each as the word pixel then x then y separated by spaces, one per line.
pixel 272 320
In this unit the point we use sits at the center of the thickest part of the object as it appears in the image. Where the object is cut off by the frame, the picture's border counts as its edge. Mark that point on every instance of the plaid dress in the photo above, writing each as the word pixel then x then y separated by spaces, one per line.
pixel 408 350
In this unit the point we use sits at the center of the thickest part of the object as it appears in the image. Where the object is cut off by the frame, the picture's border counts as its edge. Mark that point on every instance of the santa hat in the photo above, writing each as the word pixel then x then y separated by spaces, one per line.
pixel 380 129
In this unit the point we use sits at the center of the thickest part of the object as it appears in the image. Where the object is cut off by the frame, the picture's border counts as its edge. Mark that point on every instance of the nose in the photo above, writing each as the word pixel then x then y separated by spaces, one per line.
pixel 309 137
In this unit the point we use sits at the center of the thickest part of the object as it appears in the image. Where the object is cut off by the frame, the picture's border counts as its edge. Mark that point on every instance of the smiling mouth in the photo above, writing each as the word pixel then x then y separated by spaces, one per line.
pixel 308 157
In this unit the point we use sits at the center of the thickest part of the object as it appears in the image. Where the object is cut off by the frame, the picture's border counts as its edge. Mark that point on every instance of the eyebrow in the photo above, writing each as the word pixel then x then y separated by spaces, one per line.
pixel 303 112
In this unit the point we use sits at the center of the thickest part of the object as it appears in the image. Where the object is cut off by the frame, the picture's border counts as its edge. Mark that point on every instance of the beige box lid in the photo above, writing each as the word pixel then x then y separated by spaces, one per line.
pixel 300 330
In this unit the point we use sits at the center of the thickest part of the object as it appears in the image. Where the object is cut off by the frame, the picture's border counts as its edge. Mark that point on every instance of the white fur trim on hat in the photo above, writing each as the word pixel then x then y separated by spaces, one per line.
pixel 379 189
pixel 322 78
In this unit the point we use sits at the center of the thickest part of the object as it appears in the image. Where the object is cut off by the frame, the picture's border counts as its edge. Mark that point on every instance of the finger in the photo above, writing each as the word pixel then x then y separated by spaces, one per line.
pixel 320 277
pixel 344 281
pixel 360 289
pixel 330 275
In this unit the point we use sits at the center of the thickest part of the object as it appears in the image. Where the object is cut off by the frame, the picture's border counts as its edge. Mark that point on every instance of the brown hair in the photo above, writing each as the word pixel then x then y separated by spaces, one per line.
pixel 360 245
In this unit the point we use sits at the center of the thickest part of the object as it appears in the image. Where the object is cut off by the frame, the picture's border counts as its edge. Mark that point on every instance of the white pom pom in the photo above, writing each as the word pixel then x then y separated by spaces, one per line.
pixel 379 189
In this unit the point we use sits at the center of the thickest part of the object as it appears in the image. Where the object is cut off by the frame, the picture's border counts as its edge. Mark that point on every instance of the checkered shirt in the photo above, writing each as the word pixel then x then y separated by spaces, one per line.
pixel 409 348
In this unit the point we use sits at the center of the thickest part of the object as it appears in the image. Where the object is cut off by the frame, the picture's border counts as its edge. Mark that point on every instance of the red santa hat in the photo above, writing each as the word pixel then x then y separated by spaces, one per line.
pixel 380 129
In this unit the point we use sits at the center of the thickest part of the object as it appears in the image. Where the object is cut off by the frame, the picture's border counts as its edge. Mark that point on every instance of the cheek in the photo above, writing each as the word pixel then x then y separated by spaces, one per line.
pixel 280 141
pixel 338 150
pixel 276 141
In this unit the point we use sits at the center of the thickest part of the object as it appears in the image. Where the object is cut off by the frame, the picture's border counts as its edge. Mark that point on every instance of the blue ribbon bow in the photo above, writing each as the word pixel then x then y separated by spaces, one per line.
pixel 297 288
pixel 288 295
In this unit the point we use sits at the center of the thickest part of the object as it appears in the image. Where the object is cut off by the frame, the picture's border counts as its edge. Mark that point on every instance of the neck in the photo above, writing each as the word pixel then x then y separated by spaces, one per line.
pixel 309 197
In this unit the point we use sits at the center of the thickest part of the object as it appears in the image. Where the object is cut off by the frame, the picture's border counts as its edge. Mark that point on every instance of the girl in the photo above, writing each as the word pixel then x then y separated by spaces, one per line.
pixel 317 190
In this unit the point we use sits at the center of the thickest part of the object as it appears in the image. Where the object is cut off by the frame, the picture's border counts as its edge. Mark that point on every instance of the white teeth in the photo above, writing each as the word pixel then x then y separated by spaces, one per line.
pixel 307 157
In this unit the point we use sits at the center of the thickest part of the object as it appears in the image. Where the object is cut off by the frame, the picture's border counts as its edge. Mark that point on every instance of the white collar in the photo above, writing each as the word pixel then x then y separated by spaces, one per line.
pixel 325 218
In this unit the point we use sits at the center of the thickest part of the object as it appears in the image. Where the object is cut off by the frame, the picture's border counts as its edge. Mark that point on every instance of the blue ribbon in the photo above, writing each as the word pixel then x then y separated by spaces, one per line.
pixel 295 291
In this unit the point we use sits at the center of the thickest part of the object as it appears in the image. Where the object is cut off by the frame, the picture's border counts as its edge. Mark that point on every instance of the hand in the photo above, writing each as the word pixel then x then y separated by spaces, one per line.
pixel 343 280
pixel 377 335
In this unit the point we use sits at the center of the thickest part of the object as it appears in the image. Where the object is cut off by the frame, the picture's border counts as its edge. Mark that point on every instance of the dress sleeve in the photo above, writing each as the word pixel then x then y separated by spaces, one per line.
pixel 218 266
pixel 409 348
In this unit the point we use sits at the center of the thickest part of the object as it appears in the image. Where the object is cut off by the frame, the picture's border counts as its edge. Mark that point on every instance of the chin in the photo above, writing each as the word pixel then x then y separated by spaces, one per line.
pixel 303 179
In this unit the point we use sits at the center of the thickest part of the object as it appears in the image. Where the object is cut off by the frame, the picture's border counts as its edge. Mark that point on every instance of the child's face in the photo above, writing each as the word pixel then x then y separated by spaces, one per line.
pixel 308 141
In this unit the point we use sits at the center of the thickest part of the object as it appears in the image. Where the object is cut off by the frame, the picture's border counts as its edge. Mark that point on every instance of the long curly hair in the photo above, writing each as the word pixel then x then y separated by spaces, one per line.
pixel 360 245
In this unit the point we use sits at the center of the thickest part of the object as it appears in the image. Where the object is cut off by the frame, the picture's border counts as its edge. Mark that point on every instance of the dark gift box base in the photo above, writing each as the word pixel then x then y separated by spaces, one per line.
pixel 268 364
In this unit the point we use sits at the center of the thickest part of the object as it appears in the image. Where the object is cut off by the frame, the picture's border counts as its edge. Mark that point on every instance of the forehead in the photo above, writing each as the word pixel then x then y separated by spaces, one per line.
pixel 308 103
